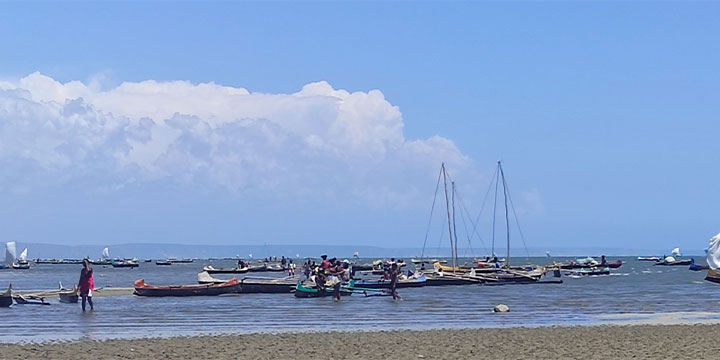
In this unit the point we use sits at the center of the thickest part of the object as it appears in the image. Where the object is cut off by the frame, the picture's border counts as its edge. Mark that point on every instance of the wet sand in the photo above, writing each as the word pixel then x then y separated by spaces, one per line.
pixel 586 342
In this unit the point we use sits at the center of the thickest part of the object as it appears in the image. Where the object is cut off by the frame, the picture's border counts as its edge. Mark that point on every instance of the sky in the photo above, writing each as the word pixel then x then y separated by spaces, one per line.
pixel 326 123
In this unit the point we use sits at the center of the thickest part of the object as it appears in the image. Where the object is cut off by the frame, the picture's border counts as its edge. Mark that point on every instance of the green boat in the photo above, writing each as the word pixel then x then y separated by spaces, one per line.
pixel 311 292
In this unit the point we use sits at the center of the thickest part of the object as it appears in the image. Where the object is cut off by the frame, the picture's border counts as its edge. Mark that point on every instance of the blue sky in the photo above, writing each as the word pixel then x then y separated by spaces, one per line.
pixel 604 114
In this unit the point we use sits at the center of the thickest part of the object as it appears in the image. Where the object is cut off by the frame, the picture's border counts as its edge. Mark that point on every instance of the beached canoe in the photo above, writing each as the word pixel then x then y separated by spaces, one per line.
pixel 228 287
pixel 302 291
pixel 68 296
pixel 385 284
pixel 6 298
pixel 211 270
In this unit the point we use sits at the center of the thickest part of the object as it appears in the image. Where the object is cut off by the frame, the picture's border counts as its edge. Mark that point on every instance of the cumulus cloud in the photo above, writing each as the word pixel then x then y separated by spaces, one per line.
pixel 319 141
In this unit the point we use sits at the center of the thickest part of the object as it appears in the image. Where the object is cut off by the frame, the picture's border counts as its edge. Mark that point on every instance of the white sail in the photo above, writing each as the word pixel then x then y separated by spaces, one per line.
pixel 676 252
pixel 713 255
pixel 23 255
pixel 106 253
pixel 10 253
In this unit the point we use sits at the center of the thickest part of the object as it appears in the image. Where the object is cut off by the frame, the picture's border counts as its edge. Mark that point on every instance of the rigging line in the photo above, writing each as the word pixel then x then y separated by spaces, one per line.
pixel 482 207
pixel 454 228
pixel 463 207
pixel 432 209
pixel 447 208
pixel 507 217
pixel 442 236
pixel 467 234
pixel 474 232
pixel 517 222
pixel 497 174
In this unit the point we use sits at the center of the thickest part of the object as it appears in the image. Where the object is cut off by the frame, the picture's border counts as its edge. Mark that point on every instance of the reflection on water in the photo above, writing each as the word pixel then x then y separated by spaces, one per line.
pixel 643 291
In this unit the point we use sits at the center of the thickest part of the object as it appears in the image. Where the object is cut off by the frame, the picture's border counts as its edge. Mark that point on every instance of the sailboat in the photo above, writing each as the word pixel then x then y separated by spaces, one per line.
pixel 713 260
pixel 105 260
pixel 22 263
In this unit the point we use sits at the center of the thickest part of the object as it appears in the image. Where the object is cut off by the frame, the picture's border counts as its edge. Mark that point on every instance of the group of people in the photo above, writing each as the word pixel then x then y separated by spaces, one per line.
pixel 330 272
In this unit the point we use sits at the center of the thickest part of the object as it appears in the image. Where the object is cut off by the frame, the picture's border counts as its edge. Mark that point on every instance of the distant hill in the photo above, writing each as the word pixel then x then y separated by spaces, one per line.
pixel 162 251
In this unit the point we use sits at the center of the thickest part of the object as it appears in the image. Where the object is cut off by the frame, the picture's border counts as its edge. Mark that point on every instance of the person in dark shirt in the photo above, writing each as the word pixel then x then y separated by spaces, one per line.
pixel 86 284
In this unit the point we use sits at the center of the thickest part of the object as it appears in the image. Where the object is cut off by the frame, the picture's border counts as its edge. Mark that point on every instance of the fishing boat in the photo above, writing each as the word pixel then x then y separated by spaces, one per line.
pixel 428 261
pixel 593 271
pixel 648 258
pixel 413 281
pixel 211 270
pixel 68 296
pixel 254 284
pixel 582 265
pixel 310 291
pixel 22 263
pixel 30 300
pixel 6 298
pixel 104 260
pixel 147 260
pixel 125 264
pixel 275 267
pixel 180 261
pixel 163 262
pixel 696 267
pixel 228 287
pixel 713 260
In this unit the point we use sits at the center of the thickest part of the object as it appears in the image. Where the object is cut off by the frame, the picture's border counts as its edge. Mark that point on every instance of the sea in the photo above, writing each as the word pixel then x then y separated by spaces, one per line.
pixel 637 292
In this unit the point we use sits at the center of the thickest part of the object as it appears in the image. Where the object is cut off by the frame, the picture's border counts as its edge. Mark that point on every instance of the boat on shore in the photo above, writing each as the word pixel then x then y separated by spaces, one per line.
pixel 211 270
pixel 228 287
pixel 6 298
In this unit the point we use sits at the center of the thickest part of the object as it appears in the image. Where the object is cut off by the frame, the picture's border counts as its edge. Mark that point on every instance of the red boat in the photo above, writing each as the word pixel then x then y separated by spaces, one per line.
pixel 229 287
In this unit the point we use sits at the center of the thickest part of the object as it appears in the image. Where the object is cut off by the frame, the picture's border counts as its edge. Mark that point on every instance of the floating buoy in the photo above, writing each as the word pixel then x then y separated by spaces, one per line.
pixel 501 308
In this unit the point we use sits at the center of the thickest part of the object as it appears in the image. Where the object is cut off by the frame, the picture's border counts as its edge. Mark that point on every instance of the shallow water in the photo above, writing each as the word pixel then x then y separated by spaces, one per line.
pixel 635 291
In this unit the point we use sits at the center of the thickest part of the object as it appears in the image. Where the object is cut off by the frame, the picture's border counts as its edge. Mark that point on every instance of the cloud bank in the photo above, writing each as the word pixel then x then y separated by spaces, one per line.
pixel 318 142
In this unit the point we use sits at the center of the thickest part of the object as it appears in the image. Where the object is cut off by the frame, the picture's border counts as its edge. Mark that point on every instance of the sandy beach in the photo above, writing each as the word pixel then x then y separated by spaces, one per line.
pixel 587 342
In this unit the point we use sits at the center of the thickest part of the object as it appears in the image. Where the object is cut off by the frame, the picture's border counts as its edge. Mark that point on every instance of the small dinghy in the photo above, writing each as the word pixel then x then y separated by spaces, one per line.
pixel 228 287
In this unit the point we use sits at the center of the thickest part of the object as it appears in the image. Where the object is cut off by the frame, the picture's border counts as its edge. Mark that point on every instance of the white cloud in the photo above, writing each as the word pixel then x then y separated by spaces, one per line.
pixel 319 141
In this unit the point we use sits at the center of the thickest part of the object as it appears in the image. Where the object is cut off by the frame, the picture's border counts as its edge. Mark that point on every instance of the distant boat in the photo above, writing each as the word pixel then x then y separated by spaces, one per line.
pixel 6 298
pixel 180 261
pixel 228 287
pixel 254 285
pixel 713 260
pixel 125 264
pixel 211 270
pixel 672 261
pixel 147 260
pixel 105 260
pixel 418 281
pixel 696 267
pixel 648 258
pixel 594 271
pixel 163 262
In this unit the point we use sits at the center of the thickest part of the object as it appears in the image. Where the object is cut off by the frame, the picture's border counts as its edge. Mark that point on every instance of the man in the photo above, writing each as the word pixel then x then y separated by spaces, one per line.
pixel 394 274
pixel 325 264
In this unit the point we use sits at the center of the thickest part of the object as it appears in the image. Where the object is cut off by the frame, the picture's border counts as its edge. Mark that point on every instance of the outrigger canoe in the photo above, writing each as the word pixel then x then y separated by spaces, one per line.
pixel 211 270
pixel 254 285
pixel 612 264
pixel 385 284
pixel 302 291
pixel 68 296
pixel 228 287
pixel 674 262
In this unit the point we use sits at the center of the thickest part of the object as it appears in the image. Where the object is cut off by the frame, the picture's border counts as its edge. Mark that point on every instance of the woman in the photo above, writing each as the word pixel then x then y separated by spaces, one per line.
pixel 86 285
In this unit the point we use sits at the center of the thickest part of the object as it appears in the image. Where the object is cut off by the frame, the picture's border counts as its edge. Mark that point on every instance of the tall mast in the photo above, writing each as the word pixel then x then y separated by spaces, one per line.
pixel 447 208
pixel 455 252
pixel 507 216
pixel 497 179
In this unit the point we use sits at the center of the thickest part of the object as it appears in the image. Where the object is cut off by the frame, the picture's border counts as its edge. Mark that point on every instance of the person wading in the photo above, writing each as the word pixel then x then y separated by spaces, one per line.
pixel 86 285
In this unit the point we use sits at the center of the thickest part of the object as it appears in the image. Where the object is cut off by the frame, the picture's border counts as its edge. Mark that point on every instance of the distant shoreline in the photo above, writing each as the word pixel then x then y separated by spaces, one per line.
pixel 588 342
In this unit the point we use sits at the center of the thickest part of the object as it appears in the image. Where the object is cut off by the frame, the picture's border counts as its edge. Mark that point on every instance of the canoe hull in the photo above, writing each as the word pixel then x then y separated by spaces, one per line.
pixel 230 287
pixel 306 292
pixel 713 276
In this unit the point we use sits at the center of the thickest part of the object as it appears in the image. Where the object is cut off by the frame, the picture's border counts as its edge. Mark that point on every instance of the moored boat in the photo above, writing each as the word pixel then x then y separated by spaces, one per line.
pixel 671 261
pixel 302 291
pixel 648 258
pixel 68 296
pixel 6 298
pixel 415 281
pixel 578 265
pixel 163 262
pixel 125 264
pixel 211 270
pixel 228 287
pixel 695 267
pixel 594 271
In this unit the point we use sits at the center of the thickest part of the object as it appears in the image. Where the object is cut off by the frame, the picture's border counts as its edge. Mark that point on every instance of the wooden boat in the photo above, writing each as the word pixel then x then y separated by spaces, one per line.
pixel 101 262
pixel 211 270
pixel 125 264
pixel 228 287
pixel 275 267
pixel 147 260
pixel 180 261
pixel 671 261
pixel 594 271
pixel 648 258
pixel 257 268
pixel 30 300
pixel 302 291
pixel 713 276
pixel 21 265
pixel 254 285
pixel 68 296
pixel 611 264
pixel 6 298
pixel 418 281
pixel 713 260
pixel 428 261
pixel 163 262
pixel 696 267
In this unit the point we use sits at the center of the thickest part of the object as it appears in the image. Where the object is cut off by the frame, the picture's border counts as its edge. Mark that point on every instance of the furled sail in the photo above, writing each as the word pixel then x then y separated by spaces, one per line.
pixel 10 253
pixel 713 255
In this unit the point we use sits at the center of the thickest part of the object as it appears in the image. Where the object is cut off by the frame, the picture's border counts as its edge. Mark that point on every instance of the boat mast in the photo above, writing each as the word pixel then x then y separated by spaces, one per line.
pixel 497 179
pixel 507 216
pixel 455 262
pixel 447 209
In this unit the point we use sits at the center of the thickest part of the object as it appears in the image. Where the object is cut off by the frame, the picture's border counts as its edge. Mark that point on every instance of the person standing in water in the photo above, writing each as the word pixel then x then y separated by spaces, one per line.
pixel 86 285
pixel 394 274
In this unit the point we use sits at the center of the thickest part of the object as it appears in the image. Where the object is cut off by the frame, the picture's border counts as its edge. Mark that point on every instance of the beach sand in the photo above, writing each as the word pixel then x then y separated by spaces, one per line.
pixel 580 342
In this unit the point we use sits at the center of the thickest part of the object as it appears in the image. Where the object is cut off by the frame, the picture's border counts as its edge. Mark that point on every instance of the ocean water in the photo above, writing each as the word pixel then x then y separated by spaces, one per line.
pixel 635 291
